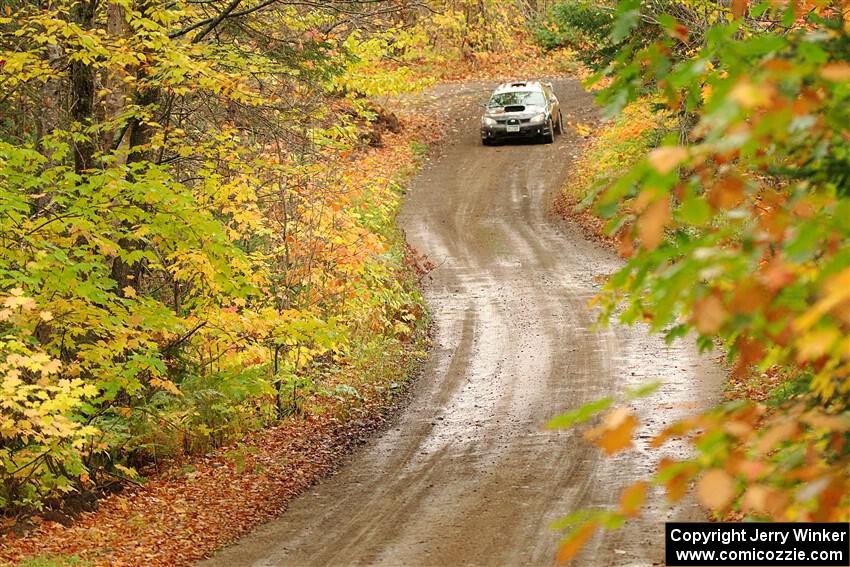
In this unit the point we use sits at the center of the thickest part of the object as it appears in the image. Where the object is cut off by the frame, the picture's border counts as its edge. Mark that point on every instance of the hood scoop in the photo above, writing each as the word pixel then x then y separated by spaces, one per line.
pixel 515 108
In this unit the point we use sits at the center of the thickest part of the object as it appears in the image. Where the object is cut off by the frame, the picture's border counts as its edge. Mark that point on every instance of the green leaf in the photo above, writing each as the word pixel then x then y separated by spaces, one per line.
pixel 580 415
pixel 695 211
pixel 643 390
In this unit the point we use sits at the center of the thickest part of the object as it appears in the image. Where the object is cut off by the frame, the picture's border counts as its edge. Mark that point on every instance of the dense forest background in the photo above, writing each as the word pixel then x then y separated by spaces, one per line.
pixel 184 253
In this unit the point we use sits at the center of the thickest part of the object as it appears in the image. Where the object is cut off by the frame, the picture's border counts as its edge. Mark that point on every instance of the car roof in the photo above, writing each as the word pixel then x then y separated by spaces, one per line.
pixel 515 86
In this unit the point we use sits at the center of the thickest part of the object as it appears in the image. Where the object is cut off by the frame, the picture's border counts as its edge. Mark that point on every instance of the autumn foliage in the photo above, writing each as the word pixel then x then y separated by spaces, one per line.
pixel 737 231
pixel 181 262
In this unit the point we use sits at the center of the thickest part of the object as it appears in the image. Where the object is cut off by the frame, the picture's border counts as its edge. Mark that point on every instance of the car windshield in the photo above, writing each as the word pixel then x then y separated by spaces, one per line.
pixel 526 98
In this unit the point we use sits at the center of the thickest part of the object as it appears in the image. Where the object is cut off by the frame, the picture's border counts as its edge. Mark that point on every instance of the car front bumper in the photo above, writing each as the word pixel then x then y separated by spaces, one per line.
pixel 500 131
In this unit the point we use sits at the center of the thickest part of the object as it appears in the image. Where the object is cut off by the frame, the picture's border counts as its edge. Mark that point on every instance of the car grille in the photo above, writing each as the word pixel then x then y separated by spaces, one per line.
pixel 514 121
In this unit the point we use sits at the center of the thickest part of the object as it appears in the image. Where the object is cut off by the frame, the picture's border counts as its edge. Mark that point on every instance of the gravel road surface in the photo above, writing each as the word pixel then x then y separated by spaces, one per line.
pixel 467 474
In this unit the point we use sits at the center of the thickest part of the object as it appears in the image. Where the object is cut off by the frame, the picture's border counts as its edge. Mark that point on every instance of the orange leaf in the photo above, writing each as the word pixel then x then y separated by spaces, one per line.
pixel 573 543
pixel 709 314
pixel 726 193
pixel 651 223
pixel 750 351
pixel 632 499
pixel 666 158
pixel 626 246
pixel 776 275
pixel 750 296
pixel 716 489
pixel 836 72
pixel 615 433
pixel 739 8
pixel 778 433
pixel 751 470
pixel 676 488
pixel 755 499
pixel 677 484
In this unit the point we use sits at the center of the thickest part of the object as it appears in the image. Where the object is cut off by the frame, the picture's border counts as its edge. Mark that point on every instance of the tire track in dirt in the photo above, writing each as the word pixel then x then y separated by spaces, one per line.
pixel 468 475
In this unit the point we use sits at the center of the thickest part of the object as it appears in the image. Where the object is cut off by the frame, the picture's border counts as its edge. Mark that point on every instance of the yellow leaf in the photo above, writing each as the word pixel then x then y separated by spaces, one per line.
pixel 817 343
pixel 716 489
pixel 750 95
pixel 51 367
pixel 835 291
pixel 18 300
pixel 666 158
pixel 582 129
pixel 166 385
pixel 46 316
pixel 129 292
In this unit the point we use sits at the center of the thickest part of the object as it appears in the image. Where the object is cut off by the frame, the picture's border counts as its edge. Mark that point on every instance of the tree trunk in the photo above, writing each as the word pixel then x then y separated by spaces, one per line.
pixel 116 91
pixel 82 90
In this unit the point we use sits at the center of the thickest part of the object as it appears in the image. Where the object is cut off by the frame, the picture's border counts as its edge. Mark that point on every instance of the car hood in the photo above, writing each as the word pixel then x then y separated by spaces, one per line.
pixel 521 112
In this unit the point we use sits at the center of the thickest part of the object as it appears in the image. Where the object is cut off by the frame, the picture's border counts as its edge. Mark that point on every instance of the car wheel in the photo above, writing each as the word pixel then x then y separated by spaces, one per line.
pixel 560 124
pixel 486 142
pixel 550 137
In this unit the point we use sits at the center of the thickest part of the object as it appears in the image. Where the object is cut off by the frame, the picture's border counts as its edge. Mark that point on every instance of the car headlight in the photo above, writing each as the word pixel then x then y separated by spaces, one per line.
pixel 539 118
pixel 487 121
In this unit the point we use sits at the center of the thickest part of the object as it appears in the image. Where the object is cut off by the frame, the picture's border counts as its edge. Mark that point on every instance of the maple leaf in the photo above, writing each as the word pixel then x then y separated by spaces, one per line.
pixel 751 95
pixel 581 129
pixel 632 498
pixel 666 158
pixel 726 193
pixel 739 8
pixel 166 385
pixel 755 499
pixel 615 432
pixel 652 221
pixel 18 299
pixel 709 314
pixel 716 489
pixel 573 543
pixel 782 431
pixel 626 246
pixel 836 72
pixel 817 343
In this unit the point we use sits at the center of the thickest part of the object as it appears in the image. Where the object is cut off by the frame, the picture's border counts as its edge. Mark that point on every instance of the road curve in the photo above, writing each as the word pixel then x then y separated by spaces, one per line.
pixel 468 475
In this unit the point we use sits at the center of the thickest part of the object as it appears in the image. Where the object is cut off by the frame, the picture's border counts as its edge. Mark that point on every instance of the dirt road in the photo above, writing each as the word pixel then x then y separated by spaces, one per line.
pixel 468 475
